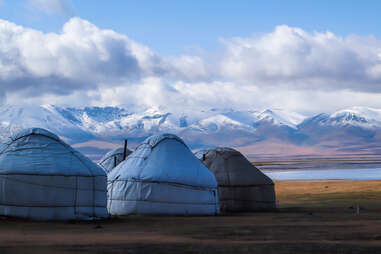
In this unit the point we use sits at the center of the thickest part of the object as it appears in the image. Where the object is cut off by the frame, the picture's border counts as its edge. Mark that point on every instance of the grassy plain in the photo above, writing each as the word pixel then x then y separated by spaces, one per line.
pixel 328 194
pixel 313 217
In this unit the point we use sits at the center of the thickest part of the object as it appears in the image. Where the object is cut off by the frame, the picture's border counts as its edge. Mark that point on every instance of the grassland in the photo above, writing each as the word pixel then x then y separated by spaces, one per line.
pixel 313 217
pixel 328 194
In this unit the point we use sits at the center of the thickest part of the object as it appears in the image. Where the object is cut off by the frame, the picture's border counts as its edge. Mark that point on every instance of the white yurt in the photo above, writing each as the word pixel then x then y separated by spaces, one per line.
pixel 241 186
pixel 113 158
pixel 43 178
pixel 162 176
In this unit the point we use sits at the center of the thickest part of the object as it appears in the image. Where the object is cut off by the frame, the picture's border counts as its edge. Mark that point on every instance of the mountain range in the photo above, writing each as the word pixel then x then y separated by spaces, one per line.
pixel 258 133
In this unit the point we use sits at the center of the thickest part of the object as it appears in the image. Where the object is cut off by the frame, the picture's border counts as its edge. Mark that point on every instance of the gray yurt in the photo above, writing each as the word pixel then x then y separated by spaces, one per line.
pixel 43 178
pixel 113 158
pixel 162 176
pixel 241 186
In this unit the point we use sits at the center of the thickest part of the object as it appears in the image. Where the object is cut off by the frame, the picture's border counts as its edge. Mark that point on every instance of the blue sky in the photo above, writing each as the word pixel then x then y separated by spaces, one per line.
pixel 302 56
pixel 171 26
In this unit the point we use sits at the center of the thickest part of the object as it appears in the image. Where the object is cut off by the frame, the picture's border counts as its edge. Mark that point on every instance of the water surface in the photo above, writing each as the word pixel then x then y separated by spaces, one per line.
pixel 325 174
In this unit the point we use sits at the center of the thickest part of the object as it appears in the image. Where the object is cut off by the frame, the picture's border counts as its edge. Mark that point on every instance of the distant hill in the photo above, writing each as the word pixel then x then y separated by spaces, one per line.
pixel 94 130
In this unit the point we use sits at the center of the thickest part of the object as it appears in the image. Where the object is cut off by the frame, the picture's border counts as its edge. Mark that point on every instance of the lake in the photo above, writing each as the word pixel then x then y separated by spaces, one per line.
pixel 325 174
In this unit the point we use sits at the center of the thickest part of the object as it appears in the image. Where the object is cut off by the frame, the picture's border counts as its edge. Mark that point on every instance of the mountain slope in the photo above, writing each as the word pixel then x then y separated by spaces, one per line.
pixel 14 118
pixel 92 128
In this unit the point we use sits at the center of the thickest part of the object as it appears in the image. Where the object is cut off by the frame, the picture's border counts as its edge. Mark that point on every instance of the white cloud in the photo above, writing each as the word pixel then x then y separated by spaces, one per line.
pixel 287 68
pixel 81 57
pixel 191 68
pixel 294 58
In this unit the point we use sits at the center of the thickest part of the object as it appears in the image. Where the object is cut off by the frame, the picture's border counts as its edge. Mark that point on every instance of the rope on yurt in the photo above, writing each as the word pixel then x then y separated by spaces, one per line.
pixel 112 190
pixel 109 157
pixel 179 185
pixel 38 184
pixel 91 175
pixel 227 168
pixel 74 153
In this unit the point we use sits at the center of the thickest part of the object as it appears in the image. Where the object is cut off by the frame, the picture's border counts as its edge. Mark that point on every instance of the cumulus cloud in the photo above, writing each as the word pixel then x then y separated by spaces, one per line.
pixel 180 97
pixel 294 58
pixel 61 7
pixel 190 68
pixel 287 68
pixel 80 57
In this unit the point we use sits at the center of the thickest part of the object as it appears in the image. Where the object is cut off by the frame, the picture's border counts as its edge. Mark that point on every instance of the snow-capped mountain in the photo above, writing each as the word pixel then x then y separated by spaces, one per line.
pixel 213 127
pixel 356 116
pixel 363 118
pixel 352 130
pixel 281 117
pixel 14 118
pixel 106 122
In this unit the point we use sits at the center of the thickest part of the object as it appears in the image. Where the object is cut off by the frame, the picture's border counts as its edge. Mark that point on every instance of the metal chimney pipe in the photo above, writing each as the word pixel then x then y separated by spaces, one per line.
pixel 125 149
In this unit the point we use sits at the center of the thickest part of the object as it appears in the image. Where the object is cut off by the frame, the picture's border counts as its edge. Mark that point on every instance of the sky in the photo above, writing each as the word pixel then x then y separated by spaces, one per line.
pixel 303 56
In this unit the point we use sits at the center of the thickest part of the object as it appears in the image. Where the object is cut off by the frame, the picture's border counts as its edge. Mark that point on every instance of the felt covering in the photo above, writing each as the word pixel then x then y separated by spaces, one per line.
pixel 43 178
pixel 162 176
pixel 241 186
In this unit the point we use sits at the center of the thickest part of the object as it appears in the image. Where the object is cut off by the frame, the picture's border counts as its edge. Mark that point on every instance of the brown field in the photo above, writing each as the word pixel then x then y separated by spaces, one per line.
pixel 313 217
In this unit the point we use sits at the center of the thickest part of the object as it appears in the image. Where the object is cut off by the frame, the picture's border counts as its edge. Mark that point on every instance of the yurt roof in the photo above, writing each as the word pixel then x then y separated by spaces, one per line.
pixel 232 168
pixel 156 139
pixel 200 153
pixel 34 131
pixel 113 152
pixel 36 151
pixel 164 158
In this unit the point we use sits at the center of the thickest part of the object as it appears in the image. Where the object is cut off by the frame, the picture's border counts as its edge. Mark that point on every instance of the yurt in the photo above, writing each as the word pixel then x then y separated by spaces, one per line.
pixel 162 176
pixel 113 158
pixel 241 186
pixel 42 178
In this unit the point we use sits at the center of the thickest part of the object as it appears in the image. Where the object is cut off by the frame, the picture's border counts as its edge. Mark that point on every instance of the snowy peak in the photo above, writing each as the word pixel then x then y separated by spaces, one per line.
pixel 217 123
pixel 281 117
pixel 360 116
pixel 109 122
pixel 226 126
pixel 96 114
pixel 14 118
pixel 363 117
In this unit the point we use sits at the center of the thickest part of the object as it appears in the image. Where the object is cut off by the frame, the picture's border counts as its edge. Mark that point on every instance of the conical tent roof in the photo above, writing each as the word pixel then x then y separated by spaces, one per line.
pixel 114 156
pixel 232 168
pixel 162 176
pixel 241 186
pixel 43 178
pixel 164 158
pixel 37 151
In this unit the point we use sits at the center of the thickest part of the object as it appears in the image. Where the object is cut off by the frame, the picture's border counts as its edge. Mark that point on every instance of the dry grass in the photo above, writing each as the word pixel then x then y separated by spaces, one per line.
pixel 312 218
pixel 328 193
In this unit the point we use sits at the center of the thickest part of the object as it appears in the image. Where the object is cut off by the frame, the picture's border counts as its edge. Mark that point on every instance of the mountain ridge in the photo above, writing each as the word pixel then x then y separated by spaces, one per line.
pixel 353 128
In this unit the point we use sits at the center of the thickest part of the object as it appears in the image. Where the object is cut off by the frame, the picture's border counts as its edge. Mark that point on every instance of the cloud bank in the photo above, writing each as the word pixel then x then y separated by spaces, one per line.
pixel 79 58
pixel 290 56
pixel 287 68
